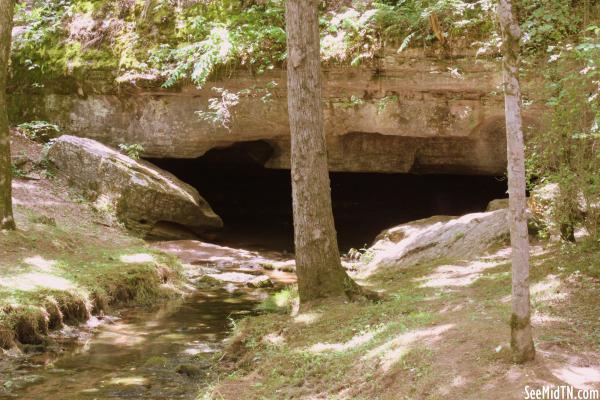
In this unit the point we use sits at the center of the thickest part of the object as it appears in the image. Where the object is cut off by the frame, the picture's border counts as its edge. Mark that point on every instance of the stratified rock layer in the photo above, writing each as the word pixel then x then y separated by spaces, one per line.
pixel 140 194
pixel 410 112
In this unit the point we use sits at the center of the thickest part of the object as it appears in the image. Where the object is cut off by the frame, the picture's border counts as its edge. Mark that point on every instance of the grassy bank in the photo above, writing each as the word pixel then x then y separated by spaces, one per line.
pixel 68 261
pixel 442 333
pixel 44 292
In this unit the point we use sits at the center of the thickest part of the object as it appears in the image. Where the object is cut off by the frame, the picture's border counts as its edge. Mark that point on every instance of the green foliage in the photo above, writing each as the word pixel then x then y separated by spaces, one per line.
pixel 36 46
pixel 191 42
pixel 546 22
pixel 280 302
pixel 359 32
pixel 220 108
pixel 134 150
pixel 219 33
pixel 569 152
pixel 198 60
pixel 16 171
pixel 42 131
pixel 365 255
pixel 383 103
pixel 194 41
pixel 353 101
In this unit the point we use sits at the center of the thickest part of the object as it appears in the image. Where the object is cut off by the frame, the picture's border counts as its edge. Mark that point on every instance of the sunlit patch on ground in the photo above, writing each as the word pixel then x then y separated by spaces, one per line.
pixel 457 275
pixel 579 377
pixel 139 258
pixel 40 262
pixel 541 319
pixel 36 280
pixel 32 197
pixel 274 339
pixel 393 350
pixel 307 318
pixel 547 289
pixel 353 343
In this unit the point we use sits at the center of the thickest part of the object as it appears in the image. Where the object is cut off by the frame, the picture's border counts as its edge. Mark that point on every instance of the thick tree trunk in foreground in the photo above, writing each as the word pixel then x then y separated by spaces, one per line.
pixel 521 337
pixel 6 215
pixel 318 265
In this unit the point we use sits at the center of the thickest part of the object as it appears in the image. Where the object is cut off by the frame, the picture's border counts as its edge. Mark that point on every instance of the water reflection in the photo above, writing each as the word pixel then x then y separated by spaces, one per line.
pixel 137 355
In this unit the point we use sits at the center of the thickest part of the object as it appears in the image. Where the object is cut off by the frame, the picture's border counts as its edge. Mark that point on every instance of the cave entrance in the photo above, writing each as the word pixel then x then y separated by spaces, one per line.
pixel 256 206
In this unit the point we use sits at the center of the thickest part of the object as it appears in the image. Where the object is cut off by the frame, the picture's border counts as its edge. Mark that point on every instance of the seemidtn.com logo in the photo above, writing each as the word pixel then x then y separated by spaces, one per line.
pixel 563 392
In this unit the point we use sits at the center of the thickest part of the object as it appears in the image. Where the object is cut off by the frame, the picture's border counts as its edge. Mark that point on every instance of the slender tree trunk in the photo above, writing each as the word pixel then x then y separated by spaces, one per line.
pixel 6 20
pixel 318 265
pixel 146 9
pixel 436 27
pixel 521 337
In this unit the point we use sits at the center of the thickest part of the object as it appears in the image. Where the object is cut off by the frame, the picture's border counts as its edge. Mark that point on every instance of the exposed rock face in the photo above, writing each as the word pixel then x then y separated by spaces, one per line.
pixel 438 238
pixel 408 112
pixel 140 194
pixel 497 204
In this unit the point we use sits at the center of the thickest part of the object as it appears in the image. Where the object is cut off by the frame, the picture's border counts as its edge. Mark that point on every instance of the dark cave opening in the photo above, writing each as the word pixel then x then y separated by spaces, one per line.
pixel 256 206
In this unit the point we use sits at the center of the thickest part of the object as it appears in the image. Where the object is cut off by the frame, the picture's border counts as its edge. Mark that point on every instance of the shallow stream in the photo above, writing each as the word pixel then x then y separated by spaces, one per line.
pixel 164 352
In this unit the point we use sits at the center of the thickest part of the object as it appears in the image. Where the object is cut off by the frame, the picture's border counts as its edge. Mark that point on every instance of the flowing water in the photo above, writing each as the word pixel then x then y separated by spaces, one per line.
pixel 160 353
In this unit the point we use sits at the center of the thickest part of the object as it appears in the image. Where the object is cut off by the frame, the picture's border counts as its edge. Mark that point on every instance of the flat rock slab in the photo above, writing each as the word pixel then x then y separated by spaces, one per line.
pixel 241 278
pixel 260 281
pixel 233 277
pixel 435 238
pixel 140 194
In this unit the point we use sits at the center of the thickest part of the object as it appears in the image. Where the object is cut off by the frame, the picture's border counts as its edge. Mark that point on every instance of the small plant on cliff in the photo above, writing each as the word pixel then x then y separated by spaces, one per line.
pixel 134 150
pixel 220 108
pixel 352 102
pixel 384 102
pixel 41 131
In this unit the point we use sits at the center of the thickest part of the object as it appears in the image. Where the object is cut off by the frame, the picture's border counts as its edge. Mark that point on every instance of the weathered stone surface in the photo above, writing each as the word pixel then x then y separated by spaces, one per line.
pixel 233 277
pixel 437 238
pixel 497 204
pixel 141 195
pixel 239 278
pixel 408 112
pixel 260 281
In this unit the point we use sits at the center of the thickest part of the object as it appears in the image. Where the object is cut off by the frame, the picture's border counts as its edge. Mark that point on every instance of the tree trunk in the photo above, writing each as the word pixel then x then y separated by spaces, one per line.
pixel 6 19
pixel 521 337
pixel 318 266
pixel 436 27
pixel 146 10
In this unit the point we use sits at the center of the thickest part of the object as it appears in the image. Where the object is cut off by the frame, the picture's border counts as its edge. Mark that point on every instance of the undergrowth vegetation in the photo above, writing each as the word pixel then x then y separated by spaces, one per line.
pixel 568 152
pixel 170 41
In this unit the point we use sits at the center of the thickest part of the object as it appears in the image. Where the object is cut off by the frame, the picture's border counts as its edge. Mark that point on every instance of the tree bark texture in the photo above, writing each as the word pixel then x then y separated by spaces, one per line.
pixel 6 20
pixel 521 335
pixel 318 266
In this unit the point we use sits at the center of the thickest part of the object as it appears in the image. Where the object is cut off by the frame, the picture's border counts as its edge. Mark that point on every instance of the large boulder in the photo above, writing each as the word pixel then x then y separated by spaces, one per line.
pixel 437 238
pixel 141 195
